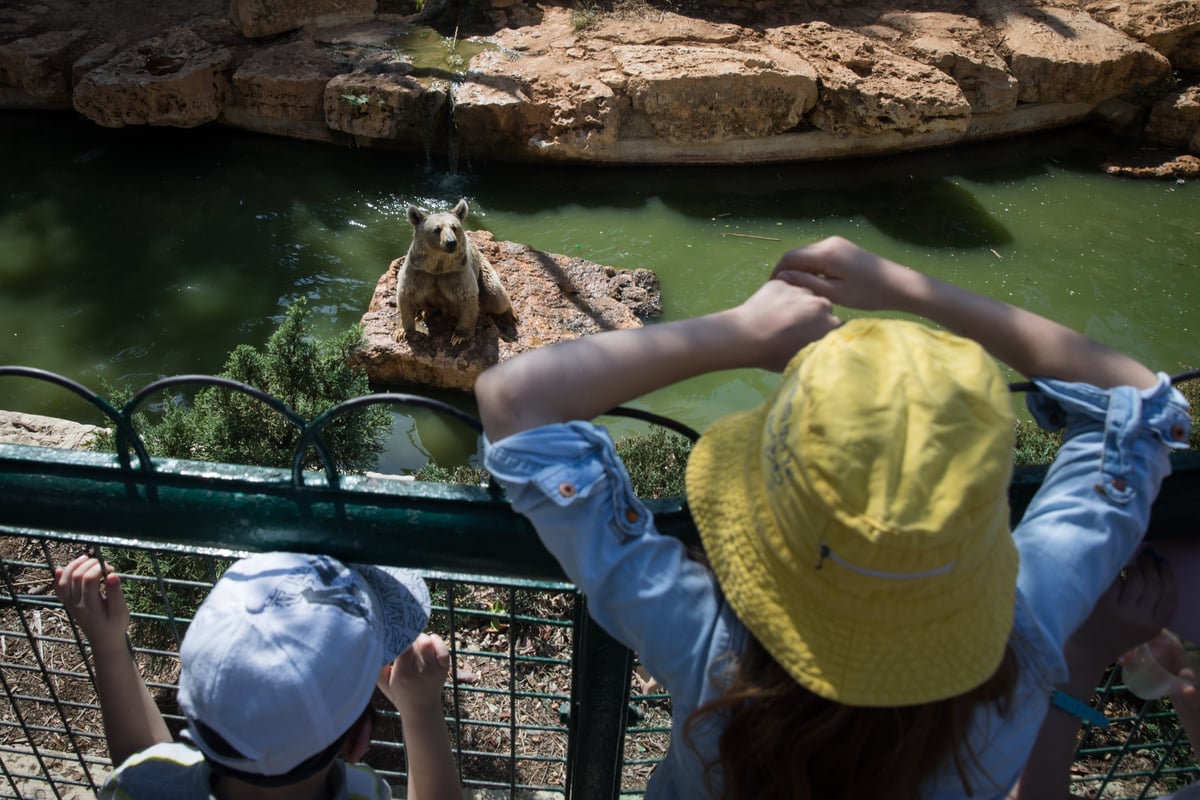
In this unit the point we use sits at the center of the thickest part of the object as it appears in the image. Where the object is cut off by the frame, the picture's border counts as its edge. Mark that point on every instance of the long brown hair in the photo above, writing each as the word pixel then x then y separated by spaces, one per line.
pixel 783 742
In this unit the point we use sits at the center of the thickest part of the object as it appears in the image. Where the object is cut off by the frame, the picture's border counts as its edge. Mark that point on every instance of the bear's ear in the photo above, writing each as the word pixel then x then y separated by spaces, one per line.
pixel 415 216
pixel 461 209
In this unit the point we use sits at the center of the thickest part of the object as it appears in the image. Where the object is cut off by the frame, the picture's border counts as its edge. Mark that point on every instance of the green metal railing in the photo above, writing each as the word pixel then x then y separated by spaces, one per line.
pixel 524 716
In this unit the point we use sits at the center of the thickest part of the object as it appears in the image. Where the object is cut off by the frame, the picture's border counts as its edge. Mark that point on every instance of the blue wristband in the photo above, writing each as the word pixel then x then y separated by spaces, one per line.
pixel 1077 708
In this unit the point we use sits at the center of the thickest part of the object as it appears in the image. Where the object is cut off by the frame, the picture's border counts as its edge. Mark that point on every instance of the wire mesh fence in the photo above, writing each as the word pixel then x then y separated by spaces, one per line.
pixel 507 700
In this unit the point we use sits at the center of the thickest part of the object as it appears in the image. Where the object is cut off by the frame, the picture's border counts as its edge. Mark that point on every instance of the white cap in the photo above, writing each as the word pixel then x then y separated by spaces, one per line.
pixel 282 656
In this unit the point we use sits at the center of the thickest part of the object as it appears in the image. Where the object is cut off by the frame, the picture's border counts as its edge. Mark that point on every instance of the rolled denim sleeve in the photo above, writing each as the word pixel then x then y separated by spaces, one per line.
pixel 1090 514
pixel 641 586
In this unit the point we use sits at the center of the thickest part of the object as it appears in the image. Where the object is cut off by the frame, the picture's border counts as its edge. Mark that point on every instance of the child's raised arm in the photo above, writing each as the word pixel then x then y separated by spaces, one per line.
pixel 585 377
pixel 132 721
pixel 848 275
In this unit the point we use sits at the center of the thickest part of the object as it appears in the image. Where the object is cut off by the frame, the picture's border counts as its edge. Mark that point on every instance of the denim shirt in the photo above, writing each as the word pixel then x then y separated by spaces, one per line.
pixel 1080 529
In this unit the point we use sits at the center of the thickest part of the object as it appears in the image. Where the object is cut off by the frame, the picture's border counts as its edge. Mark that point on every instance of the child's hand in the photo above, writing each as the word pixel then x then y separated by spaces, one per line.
pixel 103 619
pixel 843 272
pixel 1133 610
pixel 781 318
pixel 414 681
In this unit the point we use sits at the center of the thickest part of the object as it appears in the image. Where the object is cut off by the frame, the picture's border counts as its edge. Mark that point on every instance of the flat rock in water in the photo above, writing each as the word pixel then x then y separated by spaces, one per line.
pixel 555 297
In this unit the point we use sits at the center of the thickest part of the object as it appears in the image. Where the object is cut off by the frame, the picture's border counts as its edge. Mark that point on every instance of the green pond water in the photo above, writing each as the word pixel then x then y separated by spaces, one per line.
pixel 132 254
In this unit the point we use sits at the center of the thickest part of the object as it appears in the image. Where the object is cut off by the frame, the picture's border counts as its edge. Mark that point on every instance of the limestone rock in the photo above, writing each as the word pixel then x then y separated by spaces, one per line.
pixel 177 79
pixel 542 104
pixel 957 45
pixel 267 17
pixel 710 94
pixel 867 88
pixel 286 82
pixel 34 429
pixel 1169 26
pixel 392 105
pixel 1175 120
pixel 556 298
pixel 1060 55
pixel 39 66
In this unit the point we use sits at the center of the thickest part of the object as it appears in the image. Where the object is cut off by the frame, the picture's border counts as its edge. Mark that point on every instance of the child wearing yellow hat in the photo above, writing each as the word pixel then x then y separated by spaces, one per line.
pixel 870 626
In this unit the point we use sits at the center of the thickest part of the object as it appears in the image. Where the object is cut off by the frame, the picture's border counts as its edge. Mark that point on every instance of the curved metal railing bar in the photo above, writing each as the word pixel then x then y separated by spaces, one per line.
pixel 308 436
pixel 272 402
pixel 123 423
pixel 310 432
pixel 686 431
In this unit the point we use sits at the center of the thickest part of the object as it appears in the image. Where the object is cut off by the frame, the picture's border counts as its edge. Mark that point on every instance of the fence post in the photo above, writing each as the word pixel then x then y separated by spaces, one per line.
pixel 601 668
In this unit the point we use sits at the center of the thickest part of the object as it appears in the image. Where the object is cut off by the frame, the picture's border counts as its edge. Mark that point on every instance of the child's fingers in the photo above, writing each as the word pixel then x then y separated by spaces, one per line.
pixel 437 650
pixel 64 579
pixel 804 280
pixel 90 579
pixel 431 651
pixel 115 595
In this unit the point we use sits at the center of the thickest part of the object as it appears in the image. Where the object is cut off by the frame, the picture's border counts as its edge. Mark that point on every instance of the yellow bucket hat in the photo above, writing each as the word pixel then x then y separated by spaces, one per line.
pixel 858 519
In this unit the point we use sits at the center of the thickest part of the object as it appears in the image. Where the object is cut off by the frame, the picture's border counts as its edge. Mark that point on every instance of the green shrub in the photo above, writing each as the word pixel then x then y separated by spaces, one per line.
pixel 1034 445
pixel 585 15
pixel 1191 390
pixel 474 476
pixel 656 462
pixel 307 375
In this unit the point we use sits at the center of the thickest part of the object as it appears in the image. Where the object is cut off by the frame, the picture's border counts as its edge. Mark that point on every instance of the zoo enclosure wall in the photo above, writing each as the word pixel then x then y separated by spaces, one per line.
pixel 540 698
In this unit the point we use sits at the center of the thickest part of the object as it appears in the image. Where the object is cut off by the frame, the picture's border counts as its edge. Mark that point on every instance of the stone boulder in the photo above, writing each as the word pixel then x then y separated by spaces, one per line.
pixel 711 94
pixel 867 88
pixel 1175 120
pixel 281 90
pixel 1169 26
pixel 40 66
pixel 957 45
pixel 177 79
pixel 34 429
pixel 255 18
pixel 555 297
pixel 1061 55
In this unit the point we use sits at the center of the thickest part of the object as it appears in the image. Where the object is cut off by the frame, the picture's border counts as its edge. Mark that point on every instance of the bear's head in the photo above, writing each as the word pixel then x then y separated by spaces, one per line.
pixel 441 230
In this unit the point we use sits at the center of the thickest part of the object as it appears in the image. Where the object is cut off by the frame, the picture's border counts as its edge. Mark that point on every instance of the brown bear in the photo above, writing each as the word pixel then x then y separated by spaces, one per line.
pixel 445 272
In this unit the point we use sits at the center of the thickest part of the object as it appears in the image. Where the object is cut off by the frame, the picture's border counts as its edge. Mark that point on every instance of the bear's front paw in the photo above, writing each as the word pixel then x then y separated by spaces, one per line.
pixel 407 333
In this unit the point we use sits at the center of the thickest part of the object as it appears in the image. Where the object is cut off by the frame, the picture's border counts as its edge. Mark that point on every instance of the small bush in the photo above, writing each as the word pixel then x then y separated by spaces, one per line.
pixel 308 376
pixel 585 15
pixel 1191 391
pixel 1034 445
pixel 474 476
pixel 656 462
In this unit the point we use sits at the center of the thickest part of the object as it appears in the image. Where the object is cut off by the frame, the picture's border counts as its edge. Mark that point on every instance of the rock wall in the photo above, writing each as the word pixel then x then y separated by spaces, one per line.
pixel 713 83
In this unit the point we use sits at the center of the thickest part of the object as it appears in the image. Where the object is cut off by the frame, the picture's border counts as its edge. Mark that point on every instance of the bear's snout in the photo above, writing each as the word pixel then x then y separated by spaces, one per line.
pixel 451 244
